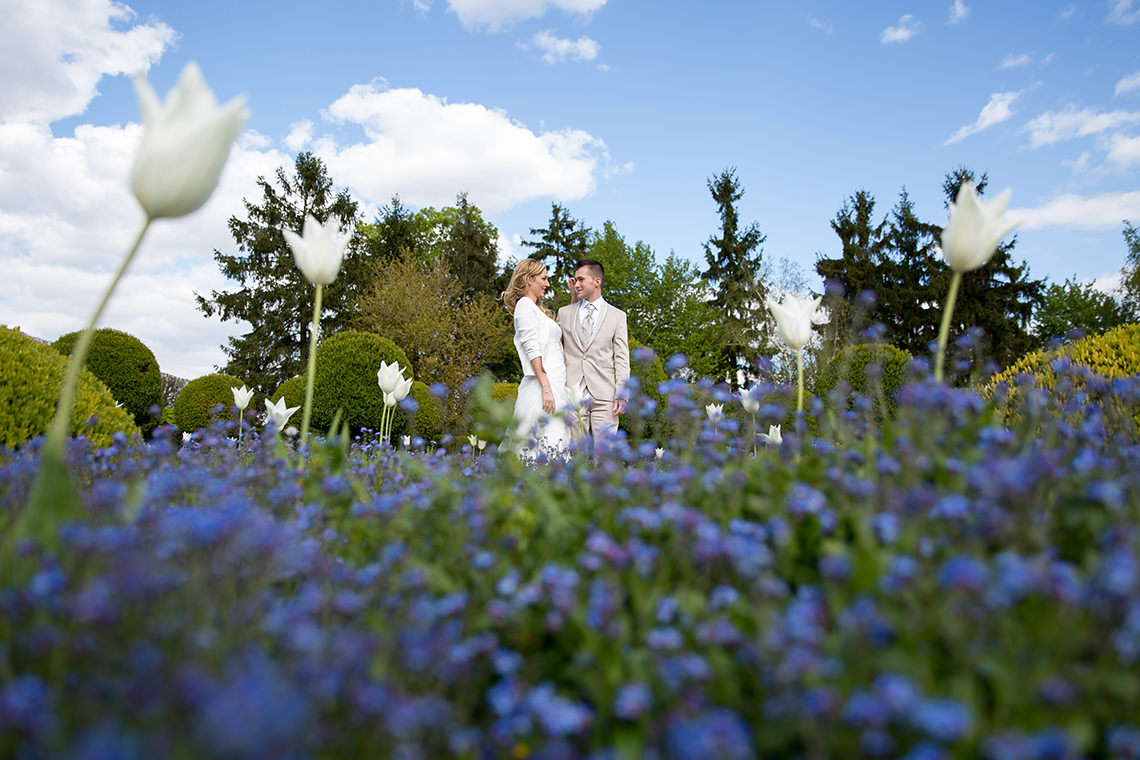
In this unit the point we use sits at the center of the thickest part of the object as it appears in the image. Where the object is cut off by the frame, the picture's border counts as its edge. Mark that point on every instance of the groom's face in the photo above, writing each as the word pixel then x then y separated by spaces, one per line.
pixel 586 285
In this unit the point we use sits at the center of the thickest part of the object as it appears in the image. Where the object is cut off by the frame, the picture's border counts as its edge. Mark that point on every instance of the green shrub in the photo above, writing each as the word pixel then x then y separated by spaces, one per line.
pixel 292 389
pixel 850 365
pixel 649 372
pixel 347 363
pixel 192 408
pixel 128 369
pixel 29 388
pixel 1112 355
pixel 429 417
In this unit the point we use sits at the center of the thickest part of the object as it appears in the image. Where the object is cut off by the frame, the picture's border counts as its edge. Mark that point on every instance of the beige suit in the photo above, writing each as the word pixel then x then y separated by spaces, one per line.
pixel 602 365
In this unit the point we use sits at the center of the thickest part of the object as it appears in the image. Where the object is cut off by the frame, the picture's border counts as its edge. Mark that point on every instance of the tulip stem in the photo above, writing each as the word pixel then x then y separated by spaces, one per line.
pixel 944 331
pixel 54 497
pixel 800 374
pixel 310 376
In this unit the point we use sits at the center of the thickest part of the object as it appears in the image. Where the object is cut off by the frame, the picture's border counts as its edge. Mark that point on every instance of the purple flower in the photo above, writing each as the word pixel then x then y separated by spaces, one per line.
pixel 632 701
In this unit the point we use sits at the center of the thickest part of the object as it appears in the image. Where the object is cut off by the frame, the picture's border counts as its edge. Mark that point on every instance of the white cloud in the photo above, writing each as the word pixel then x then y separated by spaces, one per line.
pixel 300 135
pixel 427 150
pixel 998 109
pixel 1123 12
pixel 1081 163
pixel 1012 61
pixel 823 26
pixel 557 50
pixel 1068 12
pixel 1124 151
pixel 493 15
pixel 908 27
pixel 54 53
pixel 958 11
pixel 1100 212
pixel 1055 126
pixel 1128 83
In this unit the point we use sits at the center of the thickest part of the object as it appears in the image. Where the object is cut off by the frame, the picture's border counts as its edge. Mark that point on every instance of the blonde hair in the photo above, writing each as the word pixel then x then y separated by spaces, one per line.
pixel 524 270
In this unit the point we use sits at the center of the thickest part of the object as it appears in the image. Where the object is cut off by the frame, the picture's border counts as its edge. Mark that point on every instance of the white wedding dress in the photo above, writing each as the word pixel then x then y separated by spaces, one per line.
pixel 538 335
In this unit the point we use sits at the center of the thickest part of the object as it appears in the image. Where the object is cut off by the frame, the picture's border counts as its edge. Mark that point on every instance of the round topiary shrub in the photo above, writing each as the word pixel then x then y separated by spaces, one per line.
pixel 194 405
pixel 293 391
pixel 128 369
pixel 850 366
pixel 347 363
pixel 428 421
pixel 29 388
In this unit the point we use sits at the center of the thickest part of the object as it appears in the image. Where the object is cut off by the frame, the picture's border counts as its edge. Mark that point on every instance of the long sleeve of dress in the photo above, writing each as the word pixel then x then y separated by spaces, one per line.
pixel 527 337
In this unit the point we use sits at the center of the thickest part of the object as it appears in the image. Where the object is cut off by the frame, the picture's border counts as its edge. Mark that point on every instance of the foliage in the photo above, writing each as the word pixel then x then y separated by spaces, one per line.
pixel 1100 362
pixel 128 369
pixel 505 392
pixel 345 381
pixel 855 276
pixel 1077 309
pixel 667 306
pixel 733 260
pixel 647 375
pixel 874 371
pixel 938 584
pixel 427 419
pixel 272 295
pixel 29 387
pixel 560 245
pixel 195 407
pixel 449 336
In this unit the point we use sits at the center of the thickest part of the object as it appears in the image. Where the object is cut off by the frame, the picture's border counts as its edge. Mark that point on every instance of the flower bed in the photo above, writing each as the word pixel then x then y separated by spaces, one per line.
pixel 935 584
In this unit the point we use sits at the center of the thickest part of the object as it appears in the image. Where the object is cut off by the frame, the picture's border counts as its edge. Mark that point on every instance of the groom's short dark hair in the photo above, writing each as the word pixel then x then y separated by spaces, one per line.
pixel 595 267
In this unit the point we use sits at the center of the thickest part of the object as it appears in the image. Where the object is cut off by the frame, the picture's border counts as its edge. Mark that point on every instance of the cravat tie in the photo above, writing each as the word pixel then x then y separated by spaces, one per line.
pixel 588 322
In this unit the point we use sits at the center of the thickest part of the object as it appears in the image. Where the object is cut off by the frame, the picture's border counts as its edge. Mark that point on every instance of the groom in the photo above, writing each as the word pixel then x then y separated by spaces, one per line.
pixel 595 341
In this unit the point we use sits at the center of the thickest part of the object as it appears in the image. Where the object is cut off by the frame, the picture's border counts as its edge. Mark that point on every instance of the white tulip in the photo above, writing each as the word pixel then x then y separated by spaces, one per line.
pixel 715 412
pixel 403 388
pixel 794 318
pixel 750 399
pixel 974 229
pixel 389 376
pixel 473 440
pixel 277 414
pixel 242 397
pixel 773 435
pixel 184 145
pixel 658 452
pixel 406 440
pixel 318 250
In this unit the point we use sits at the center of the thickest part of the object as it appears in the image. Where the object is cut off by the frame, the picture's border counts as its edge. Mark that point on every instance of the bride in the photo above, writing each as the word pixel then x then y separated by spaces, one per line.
pixel 538 340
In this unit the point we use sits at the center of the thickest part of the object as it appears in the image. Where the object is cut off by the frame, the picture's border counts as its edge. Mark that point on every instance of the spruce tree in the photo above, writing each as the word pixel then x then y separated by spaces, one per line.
pixel 906 305
pixel 273 297
pixel 854 279
pixel 735 260
pixel 560 244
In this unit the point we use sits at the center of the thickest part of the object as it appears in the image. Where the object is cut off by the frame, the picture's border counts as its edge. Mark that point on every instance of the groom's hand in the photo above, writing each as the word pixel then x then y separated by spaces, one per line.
pixel 619 406
pixel 573 293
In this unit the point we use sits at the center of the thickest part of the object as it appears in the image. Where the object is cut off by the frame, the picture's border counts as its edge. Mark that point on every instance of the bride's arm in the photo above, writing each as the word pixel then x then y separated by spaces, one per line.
pixel 526 328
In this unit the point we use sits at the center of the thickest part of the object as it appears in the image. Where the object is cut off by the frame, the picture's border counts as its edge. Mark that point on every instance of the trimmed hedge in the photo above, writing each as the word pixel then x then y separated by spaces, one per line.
pixel 850 365
pixel 192 408
pixel 29 387
pixel 347 363
pixel 428 418
pixel 128 369
pixel 292 389
pixel 505 392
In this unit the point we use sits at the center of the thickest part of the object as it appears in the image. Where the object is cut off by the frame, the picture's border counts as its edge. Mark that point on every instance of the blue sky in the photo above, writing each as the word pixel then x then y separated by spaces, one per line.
pixel 619 110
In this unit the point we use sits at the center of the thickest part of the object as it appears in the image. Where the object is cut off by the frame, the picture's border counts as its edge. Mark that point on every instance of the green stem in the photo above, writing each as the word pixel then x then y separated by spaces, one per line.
pixel 800 373
pixel 311 375
pixel 944 332
pixel 61 423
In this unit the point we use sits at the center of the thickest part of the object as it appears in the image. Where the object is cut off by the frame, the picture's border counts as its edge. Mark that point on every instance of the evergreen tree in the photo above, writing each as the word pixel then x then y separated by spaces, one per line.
pixel 734 261
pixel 906 305
pixel 1130 284
pixel 273 296
pixel 999 297
pixel 397 230
pixel 854 280
pixel 470 250
pixel 560 244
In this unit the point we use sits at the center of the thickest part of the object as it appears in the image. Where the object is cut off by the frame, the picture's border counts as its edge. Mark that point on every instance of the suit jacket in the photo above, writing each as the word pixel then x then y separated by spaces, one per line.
pixel 604 363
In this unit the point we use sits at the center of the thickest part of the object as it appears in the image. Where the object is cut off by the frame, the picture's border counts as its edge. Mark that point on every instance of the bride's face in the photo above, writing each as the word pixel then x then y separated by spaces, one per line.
pixel 537 285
